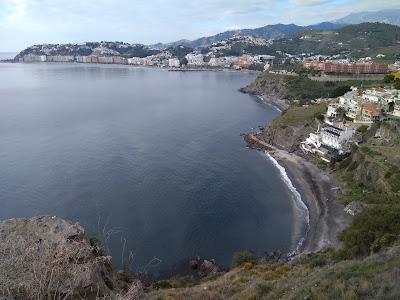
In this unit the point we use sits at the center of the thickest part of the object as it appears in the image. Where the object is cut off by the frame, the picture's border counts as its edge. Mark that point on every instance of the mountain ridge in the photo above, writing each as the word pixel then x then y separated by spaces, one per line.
pixel 277 31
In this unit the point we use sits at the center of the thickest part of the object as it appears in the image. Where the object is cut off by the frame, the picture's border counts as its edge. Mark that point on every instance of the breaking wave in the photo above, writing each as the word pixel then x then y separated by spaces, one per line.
pixel 297 198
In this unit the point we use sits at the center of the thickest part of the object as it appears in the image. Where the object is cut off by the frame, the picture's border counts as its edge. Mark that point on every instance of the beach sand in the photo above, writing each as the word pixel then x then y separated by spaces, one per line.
pixel 318 190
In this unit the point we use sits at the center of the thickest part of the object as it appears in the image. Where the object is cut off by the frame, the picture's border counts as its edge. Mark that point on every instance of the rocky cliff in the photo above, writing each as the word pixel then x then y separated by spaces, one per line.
pixel 270 89
pixel 291 128
pixel 50 258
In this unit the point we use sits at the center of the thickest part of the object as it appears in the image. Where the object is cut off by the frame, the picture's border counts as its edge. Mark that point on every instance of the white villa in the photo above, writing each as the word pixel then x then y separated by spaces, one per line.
pixel 329 139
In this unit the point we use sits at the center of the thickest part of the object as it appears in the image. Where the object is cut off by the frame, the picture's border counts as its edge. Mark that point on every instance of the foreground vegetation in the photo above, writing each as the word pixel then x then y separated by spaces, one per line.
pixel 316 276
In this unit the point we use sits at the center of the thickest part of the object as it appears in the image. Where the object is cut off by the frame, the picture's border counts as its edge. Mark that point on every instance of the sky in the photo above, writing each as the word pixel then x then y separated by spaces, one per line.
pixel 28 22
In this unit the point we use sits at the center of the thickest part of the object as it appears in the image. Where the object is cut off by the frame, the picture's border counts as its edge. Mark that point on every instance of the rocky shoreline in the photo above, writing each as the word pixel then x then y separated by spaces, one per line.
pixel 271 92
pixel 318 189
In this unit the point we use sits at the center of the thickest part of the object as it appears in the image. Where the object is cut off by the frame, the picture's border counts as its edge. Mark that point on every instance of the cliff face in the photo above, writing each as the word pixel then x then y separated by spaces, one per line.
pixel 287 137
pixel 47 257
pixel 291 128
pixel 272 90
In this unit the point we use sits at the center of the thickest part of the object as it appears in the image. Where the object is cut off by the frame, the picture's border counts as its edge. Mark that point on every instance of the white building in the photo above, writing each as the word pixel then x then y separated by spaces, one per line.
pixel 329 140
pixel 222 62
pixel 332 111
pixel 195 59
pixel 336 138
pixel 174 63
pixel 34 58
pixel 135 61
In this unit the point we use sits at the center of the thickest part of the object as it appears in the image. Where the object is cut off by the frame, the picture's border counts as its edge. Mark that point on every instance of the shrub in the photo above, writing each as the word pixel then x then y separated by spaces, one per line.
pixel 318 261
pixel 240 258
pixel 373 229
pixel 388 78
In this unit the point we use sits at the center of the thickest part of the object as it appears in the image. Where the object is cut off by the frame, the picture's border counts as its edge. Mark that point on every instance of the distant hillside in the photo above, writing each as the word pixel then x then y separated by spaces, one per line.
pixel 267 32
pixel 90 48
pixel 358 40
pixel 384 16
pixel 278 31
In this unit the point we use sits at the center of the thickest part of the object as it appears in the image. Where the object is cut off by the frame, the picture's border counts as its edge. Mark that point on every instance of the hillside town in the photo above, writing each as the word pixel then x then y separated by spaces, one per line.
pixel 238 52
pixel 346 114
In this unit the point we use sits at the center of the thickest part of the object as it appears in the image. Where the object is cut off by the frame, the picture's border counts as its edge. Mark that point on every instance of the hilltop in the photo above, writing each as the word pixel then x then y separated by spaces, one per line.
pixel 268 32
pixel 279 31
pixel 389 16
pixel 356 40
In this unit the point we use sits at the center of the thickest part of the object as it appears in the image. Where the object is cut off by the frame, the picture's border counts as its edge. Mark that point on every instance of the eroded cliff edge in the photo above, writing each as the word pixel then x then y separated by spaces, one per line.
pixel 51 258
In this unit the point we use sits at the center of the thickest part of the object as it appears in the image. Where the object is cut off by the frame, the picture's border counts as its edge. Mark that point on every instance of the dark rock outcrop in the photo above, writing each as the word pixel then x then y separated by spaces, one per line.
pixel 204 267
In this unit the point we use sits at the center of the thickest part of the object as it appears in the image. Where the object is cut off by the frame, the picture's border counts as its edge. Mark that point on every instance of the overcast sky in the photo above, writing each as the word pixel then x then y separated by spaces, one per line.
pixel 27 22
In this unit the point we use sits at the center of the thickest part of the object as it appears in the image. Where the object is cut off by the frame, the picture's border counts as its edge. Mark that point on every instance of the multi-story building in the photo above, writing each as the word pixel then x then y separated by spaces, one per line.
pixel 174 63
pixel 370 112
pixel 34 58
pixel 135 61
pixel 347 68
pixel 60 58
pixel 336 138
pixel 195 59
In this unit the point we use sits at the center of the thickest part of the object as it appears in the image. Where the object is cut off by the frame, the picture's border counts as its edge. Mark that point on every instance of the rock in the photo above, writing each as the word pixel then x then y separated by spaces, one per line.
pixel 194 263
pixel 209 267
pixel 354 208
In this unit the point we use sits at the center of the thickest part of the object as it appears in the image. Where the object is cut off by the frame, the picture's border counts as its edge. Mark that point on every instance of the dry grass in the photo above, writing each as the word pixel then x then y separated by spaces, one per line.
pixel 49 258
pixel 374 277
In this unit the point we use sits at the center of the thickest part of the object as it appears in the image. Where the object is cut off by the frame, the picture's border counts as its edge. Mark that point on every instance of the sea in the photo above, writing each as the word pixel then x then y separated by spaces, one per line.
pixel 150 162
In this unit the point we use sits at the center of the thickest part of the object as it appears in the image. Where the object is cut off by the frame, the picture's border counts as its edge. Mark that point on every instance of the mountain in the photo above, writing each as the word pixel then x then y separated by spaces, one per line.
pixel 384 16
pixel 357 40
pixel 269 32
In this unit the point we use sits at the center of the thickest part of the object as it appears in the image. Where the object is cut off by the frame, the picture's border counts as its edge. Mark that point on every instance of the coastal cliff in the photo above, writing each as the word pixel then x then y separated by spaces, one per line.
pixel 288 130
pixel 51 258
pixel 269 89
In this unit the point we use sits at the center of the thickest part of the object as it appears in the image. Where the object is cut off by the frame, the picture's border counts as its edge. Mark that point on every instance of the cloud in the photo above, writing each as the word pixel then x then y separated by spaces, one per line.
pixel 308 2
pixel 25 22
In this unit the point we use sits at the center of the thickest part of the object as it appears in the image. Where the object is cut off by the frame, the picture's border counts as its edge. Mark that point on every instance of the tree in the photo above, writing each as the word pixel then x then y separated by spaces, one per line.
pixel 388 78
pixel 183 61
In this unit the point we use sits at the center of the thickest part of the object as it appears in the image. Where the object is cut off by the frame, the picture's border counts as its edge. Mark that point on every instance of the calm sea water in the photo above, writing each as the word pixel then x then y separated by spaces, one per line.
pixel 149 158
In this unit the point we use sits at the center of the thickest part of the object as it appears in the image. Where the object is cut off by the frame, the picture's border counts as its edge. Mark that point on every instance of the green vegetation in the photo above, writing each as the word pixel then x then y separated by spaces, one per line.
pixel 367 39
pixel 180 52
pixel 315 276
pixel 388 78
pixel 372 176
pixel 373 229
pixel 177 282
pixel 298 115
pixel 393 79
pixel 241 258
pixel 302 88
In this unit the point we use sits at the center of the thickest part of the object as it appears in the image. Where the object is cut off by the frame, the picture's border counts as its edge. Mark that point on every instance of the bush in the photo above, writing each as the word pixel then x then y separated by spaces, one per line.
pixel 340 91
pixel 388 78
pixel 373 229
pixel 318 261
pixel 241 258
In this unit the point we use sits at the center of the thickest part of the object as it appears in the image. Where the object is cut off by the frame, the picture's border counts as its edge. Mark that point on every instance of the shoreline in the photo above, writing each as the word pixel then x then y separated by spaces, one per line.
pixel 170 69
pixel 298 237
pixel 272 100
pixel 317 188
